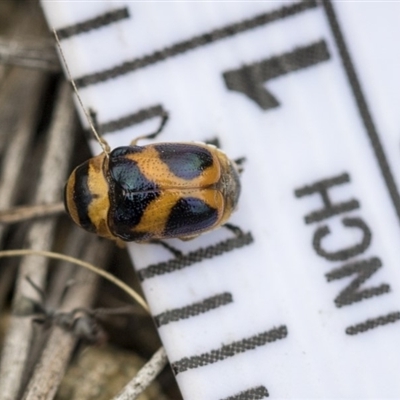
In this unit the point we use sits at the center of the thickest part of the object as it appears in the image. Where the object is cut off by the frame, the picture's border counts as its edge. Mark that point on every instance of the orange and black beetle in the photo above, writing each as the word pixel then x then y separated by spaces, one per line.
pixel 158 191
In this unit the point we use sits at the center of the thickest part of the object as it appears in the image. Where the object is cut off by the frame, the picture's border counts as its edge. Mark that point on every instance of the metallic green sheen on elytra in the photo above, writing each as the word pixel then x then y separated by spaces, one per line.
pixel 186 161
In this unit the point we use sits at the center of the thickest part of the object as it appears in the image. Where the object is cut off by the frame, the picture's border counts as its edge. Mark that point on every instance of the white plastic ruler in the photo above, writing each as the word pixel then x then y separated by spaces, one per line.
pixel 304 302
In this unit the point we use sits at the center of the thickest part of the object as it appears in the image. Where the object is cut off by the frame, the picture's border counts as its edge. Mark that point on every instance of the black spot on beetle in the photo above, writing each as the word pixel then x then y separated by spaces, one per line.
pixel 124 150
pixel 130 194
pixel 83 197
pixel 189 216
pixel 185 160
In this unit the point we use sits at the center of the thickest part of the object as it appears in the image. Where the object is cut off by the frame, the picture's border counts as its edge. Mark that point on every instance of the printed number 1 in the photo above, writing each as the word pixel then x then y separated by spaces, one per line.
pixel 250 79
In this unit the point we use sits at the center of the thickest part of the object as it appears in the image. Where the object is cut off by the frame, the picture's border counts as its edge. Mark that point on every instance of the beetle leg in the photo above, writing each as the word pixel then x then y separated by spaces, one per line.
pixel 164 119
pixel 214 142
pixel 233 228
pixel 239 163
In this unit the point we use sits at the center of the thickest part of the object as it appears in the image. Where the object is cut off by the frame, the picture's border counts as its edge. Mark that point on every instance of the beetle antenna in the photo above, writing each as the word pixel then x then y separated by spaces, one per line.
pixel 104 145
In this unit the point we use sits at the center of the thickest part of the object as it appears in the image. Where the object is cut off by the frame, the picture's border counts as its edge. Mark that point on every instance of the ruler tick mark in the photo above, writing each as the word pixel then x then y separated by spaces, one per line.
pixel 201 307
pixel 186 260
pixel 373 323
pixel 197 41
pixel 131 119
pixel 229 350
pixel 257 393
pixel 93 23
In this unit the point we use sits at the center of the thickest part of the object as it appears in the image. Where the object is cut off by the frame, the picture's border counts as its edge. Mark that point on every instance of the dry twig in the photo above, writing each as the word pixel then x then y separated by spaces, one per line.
pixel 54 168
pixel 29 54
pixel 144 377
pixel 60 344
pixel 84 264
pixel 18 115
pixel 23 213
